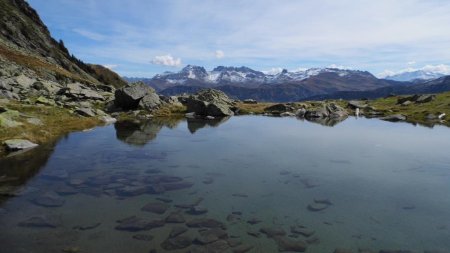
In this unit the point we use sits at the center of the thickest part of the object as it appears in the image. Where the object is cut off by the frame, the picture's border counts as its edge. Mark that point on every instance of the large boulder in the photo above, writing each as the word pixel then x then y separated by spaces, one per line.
pixel 128 97
pixel 210 102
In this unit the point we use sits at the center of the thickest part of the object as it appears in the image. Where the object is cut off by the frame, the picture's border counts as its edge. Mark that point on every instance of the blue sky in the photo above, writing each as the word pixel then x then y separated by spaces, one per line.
pixel 144 37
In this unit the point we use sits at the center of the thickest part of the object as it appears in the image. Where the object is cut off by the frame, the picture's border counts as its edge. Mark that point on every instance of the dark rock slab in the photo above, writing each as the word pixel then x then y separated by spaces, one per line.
pixel 253 221
pixel 243 248
pixel 143 237
pixel 87 227
pixel 134 223
pixel 197 210
pixel 48 199
pixel 131 191
pixel 176 243
pixel 301 231
pixel 205 223
pixel 175 217
pixel 41 222
pixel 273 231
pixel 290 245
pixel 177 230
pixel 156 207
pixel 177 186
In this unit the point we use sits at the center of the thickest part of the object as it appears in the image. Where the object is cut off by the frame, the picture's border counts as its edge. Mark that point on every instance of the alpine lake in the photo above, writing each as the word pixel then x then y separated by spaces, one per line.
pixel 239 184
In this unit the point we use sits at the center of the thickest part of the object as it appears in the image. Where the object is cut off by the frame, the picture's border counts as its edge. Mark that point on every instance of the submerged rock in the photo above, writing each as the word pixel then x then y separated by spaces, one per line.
pixel 205 223
pixel 48 199
pixel 287 244
pixel 156 207
pixel 302 231
pixel 134 223
pixel 243 248
pixel 175 243
pixel 177 230
pixel 197 210
pixel 41 221
pixel 175 217
pixel 273 231
pixel 143 237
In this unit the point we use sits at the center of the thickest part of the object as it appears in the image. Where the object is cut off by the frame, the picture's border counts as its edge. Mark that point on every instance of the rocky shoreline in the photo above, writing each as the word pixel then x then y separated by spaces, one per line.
pixel 106 104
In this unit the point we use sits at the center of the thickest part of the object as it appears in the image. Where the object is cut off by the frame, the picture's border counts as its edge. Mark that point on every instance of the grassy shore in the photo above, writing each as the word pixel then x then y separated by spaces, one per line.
pixel 53 123
pixel 415 112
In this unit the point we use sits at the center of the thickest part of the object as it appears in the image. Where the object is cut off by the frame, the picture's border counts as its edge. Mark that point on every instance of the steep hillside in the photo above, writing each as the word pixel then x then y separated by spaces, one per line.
pixel 25 41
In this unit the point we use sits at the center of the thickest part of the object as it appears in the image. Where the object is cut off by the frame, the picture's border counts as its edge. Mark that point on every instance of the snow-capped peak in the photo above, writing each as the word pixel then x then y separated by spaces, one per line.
pixel 427 72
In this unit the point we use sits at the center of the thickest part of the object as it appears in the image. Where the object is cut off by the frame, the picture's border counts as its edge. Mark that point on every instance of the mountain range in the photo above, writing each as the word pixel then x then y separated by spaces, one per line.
pixel 246 83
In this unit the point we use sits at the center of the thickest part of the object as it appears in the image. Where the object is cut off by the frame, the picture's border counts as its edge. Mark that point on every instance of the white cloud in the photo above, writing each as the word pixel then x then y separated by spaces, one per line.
pixel 110 66
pixel 90 35
pixel 167 60
pixel 219 54
pixel 411 62
pixel 440 68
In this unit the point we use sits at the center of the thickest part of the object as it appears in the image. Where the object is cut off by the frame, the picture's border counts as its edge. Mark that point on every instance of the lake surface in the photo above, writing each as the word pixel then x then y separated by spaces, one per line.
pixel 360 184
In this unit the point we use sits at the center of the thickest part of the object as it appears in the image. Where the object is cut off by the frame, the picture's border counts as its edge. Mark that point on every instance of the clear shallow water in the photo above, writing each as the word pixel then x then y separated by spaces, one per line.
pixel 388 185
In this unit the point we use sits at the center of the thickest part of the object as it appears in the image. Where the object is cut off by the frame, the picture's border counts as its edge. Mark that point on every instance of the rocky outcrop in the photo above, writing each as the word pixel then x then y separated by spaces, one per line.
pixel 415 99
pixel 326 111
pixel 209 102
pixel 136 95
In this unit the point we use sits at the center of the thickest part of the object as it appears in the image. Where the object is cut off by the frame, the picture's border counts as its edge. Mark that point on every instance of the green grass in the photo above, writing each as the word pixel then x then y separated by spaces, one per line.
pixel 56 122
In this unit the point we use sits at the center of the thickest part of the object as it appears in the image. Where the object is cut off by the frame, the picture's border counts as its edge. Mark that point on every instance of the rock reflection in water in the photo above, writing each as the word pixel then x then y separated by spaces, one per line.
pixel 196 124
pixel 139 133
pixel 331 122
pixel 16 169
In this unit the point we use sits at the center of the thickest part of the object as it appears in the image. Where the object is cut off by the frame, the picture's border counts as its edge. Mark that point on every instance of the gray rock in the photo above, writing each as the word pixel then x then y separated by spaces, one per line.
pixel 287 244
pixel 317 113
pixel 278 108
pixel 287 114
pixel 150 102
pixel 394 118
pixel 128 97
pixel 79 91
pixel 300 112
pixel 209 102
pixel 9 95
pixel 431 116
pixel 19 144
pixel 108 119
pixel 353 104
pixel 335 111
pixel 35 121
pixel 24 82
pixel 425 98
pixel 86 112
